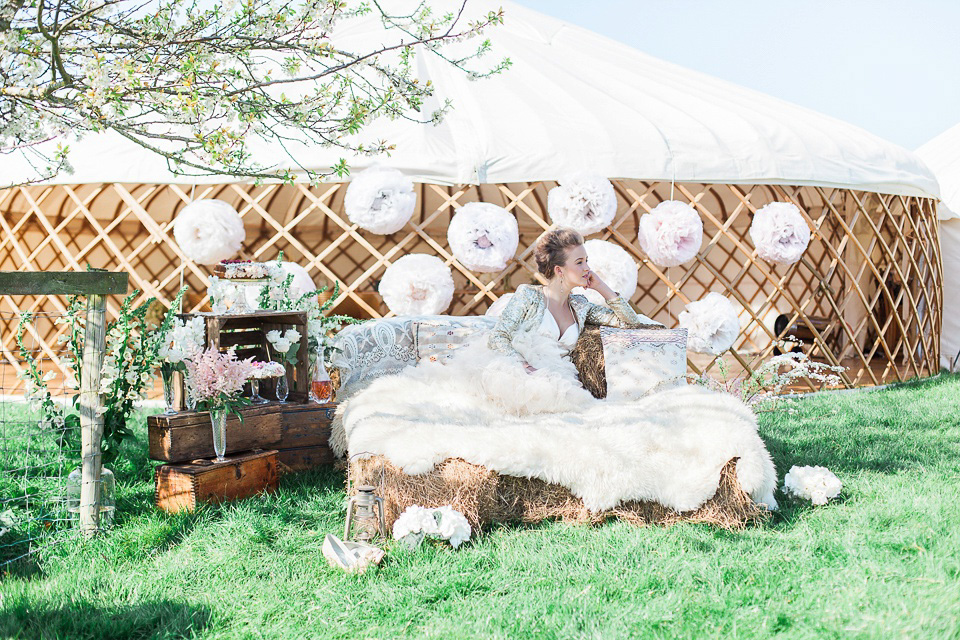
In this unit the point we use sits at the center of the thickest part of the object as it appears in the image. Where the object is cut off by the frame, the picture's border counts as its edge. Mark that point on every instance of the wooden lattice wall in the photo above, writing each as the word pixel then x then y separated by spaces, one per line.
pixel 872 272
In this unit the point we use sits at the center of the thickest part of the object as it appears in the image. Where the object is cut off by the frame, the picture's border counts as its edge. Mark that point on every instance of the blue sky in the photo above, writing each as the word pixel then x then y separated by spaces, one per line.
pixel 889 66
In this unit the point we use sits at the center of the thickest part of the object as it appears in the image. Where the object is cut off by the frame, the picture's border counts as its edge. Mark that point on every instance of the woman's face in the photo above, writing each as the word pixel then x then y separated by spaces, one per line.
pixel 575 269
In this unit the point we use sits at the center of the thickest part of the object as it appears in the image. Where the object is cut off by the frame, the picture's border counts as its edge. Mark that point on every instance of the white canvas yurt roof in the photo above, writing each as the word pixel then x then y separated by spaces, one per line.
pixel 572 100
pixel 942 155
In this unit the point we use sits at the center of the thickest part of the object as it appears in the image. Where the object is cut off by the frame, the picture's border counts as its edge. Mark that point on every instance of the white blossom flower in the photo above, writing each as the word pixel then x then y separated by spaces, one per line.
pixel 816 484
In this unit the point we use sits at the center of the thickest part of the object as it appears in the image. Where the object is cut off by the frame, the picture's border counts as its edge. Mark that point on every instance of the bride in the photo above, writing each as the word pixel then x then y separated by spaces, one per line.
pixel 523 365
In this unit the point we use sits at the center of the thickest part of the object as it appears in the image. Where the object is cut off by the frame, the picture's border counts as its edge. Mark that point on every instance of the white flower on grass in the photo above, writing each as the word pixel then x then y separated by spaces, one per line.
pixel 443 522
pixel 453 526
pixel 415 519
pixel 816 484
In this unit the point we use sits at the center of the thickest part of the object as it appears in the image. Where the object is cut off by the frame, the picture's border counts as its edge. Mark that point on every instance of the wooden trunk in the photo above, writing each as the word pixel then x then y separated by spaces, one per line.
pixel 306 436
pixel 184 486
pixel 189 435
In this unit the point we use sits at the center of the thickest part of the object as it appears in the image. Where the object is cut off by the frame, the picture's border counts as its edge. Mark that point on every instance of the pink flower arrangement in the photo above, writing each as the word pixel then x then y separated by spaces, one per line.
pixel 217 378
pixel 260 370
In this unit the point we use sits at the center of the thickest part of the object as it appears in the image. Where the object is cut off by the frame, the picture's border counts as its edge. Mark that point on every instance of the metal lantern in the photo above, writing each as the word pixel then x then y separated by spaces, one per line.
pixel 365 515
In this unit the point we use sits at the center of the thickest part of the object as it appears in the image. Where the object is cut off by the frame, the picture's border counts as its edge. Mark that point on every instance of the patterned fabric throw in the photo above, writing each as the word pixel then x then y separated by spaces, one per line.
pixel 638 361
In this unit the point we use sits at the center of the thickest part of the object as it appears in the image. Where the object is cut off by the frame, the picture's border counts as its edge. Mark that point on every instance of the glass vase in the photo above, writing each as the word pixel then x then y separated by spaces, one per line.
pixel 283 389
pixel 218 419
pixel 255 397
pixel 166 374
pixel 108 496
pixel 320 386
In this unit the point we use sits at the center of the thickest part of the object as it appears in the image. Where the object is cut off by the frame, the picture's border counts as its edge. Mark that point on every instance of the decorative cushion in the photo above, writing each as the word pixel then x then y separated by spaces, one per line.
pixel 364 352
pixel 436 339
pixel 638 361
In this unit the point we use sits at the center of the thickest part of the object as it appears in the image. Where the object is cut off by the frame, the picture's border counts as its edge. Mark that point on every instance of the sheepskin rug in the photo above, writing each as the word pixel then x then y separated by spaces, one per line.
pixel 668 447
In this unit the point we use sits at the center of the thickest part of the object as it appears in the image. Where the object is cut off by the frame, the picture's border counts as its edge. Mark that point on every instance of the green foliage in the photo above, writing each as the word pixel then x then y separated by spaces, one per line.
pixel 881 562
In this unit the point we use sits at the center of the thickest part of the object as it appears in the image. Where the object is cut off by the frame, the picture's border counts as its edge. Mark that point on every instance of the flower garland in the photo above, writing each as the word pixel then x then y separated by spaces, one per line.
pixel 417 284
pixel 209 231
pixel 780 233
pixel 584 202
pixel 671 234
pixel 483 236
pixel 712 324
pixel 380 200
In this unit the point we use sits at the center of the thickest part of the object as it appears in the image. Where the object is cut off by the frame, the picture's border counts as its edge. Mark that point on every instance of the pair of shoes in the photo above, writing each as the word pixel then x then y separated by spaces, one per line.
pixel 352 557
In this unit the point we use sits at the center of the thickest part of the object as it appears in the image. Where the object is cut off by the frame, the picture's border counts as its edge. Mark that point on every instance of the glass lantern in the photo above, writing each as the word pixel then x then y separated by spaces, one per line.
pixel 108 496
pixel 365 517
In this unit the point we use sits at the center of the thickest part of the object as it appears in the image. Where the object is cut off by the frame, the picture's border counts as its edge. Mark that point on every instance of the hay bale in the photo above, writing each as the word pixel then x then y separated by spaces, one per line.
pixel 587 357
pixel 486 497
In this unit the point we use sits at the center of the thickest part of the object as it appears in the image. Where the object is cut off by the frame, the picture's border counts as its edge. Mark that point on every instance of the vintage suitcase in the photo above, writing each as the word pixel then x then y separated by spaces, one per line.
pixel 189 435
pixel 185 485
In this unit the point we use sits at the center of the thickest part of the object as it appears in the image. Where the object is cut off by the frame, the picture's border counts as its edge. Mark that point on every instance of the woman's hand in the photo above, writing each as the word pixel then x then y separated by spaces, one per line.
pixel 594 282
pixel 528 368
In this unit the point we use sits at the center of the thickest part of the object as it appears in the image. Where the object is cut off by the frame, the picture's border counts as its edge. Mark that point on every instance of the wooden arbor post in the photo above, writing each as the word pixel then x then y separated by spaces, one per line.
pixel 95 285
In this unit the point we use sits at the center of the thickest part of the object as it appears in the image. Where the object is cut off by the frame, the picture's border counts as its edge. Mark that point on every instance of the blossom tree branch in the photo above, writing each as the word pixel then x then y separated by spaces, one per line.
pixel 196 85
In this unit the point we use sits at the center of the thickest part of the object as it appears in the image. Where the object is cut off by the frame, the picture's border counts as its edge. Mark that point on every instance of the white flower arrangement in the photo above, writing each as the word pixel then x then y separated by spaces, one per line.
pixel 615 267
pixel 816 484
pixel 260 370
pixel 712 324
pixel 380 200
pixel 483 236
pixel 780 233
pixel 247 269
pixel 443 523
pixel 182 341
pixel 209 231
pixel 283 344
pixel 671 234
pixel 417 284
pixel 584 202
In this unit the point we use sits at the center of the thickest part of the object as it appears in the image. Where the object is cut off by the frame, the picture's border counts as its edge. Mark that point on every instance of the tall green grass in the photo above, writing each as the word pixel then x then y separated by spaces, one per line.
pixel 883 561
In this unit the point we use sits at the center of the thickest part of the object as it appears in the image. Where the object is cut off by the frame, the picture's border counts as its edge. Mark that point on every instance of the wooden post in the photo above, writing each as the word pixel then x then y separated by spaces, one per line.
pixel 95 284
pixel 91 420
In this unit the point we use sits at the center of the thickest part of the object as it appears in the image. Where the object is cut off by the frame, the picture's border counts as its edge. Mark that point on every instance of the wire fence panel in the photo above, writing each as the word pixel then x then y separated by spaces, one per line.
pixel 39 437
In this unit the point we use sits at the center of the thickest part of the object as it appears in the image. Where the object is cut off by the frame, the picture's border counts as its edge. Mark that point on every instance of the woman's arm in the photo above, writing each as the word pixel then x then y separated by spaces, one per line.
pixel 617 313
pixel 501 336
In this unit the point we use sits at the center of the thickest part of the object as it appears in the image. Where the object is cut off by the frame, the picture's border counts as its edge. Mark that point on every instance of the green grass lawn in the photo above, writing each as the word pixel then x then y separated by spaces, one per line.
pixel 883 561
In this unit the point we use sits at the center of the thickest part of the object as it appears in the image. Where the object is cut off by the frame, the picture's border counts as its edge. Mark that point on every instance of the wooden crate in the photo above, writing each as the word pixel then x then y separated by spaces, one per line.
pixel 188 435
pixel 306 435
pixel 186 485
pixel 247 332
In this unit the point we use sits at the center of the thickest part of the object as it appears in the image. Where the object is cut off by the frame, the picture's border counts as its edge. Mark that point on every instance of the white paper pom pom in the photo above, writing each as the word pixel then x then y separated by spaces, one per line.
pixel 209 231
pixel 671 233
pixel 614 266
pixel 417 284
pixel 583 202
pixel 712 324
pixel 380 200
pixel 497 307
pixel 816 484
pixel 780 233
pixel 483 236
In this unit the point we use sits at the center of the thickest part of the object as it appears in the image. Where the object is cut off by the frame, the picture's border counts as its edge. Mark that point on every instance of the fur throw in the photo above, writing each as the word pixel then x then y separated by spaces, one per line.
pixel 669 447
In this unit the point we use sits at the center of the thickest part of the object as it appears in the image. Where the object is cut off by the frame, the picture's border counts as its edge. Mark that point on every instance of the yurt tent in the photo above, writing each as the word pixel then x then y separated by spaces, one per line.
pixel 942 155
pixel 865 294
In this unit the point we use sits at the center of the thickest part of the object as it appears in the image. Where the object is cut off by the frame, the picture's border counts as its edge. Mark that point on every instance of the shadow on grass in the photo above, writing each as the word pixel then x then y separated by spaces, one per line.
pixel 158 619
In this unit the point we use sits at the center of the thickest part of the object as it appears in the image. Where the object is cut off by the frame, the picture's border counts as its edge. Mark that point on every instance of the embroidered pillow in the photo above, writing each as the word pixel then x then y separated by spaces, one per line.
pixel 437 339
pixel 638 361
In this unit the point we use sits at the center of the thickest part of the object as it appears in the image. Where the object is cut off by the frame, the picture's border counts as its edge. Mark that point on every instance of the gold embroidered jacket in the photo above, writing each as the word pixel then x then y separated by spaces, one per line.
pixel 525 312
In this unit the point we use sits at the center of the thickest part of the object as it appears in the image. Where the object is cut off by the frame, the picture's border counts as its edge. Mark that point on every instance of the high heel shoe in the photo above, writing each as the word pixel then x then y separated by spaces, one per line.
pixel 352 557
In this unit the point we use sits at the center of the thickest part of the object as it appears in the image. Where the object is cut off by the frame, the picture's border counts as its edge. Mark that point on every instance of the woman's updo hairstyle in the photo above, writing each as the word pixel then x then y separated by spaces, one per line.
pixel 550 251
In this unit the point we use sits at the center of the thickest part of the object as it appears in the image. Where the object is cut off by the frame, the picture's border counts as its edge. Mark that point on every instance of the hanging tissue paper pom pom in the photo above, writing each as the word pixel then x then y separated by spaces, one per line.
pixel 483 236
pixel 380 200
pixel 497 307
pixel 816 484
pixel 712 324
pixel 780 233
pixel 417 284
pixel 583 202
pixel 671 233
pixel 209 231
pixel 614 266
